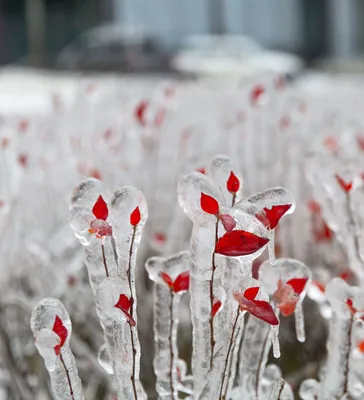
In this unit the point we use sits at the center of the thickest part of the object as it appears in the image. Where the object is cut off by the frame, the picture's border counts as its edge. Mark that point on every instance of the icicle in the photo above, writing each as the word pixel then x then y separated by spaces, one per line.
pixel 300 323
pixel 275 341
pixel 52 329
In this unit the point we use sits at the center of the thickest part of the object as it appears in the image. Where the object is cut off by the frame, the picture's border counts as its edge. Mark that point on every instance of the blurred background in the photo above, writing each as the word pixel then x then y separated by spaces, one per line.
pixel 59 33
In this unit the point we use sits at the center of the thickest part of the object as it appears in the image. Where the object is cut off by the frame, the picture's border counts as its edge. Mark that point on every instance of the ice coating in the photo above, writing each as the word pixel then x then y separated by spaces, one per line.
pixel 224 172
pixel 90 220
pixel 167 273
pixel 104 360
pixel 121 338
pixel 273 204
pixel 52 329
pixel 281 391
pixel 220 377
pixel 129 212
pixel 234 271
pixel 286 281
pixel 202 245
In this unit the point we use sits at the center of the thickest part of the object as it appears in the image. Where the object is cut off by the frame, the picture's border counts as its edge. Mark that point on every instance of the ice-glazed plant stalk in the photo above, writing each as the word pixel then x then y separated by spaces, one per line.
pixel 171 276
pixel 52 329
pixel 213 235
pixel 89 217
pixel 200 198
pixel 248 297
pixel 114 307
pixel 128 210
pixel 338 379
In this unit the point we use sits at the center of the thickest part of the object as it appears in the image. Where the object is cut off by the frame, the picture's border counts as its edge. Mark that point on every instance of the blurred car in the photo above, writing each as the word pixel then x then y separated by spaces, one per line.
pixel 228 54
pixel 111 48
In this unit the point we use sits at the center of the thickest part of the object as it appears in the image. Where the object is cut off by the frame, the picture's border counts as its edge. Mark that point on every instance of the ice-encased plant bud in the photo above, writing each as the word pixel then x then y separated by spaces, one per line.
pixel 273 204
pixel 286 282
pixel 224 172
pixel 52 329
pixel 89 217
pixel 114 308
pixel 171 276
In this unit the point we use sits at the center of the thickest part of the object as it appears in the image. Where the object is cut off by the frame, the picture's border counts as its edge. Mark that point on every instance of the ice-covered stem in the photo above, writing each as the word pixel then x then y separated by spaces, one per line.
pixel 211 291
pixel 253 356
pixel 200 314
pixel 234 271
pixel 171 277
pixel 353 228
pixel 52 328
pixel 129 212
pixel 335 379
pixel 114 305
pixel 343 300
pixel 200 199
pixel 229 356
pixel 172 339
